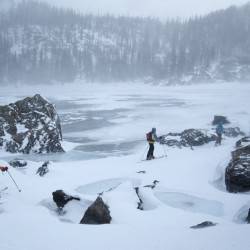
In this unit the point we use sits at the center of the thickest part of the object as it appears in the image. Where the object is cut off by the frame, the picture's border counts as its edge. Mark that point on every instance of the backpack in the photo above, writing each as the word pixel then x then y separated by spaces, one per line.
pixel 219 129
pixel 149 136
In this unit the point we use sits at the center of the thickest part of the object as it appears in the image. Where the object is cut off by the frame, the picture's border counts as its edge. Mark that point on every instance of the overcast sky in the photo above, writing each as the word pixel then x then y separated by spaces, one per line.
pixel 156 8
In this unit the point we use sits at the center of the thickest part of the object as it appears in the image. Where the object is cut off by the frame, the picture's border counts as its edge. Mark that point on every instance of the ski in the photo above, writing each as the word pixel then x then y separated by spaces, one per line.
pixel 156 158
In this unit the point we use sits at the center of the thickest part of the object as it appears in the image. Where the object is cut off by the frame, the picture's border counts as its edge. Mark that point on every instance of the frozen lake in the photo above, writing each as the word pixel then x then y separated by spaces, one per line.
pixel 112 120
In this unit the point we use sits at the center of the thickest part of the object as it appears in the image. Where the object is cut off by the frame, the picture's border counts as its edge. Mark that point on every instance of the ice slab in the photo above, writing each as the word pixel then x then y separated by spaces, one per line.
pixel 191 203
pixel 105 185
pixel 122 148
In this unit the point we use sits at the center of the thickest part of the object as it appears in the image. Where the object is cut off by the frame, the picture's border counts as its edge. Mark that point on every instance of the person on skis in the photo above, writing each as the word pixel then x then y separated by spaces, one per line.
pixel 219 131
pixel 151 138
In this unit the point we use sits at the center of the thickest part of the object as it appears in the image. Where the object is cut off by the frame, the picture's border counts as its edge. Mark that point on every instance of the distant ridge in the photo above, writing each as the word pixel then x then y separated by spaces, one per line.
pixel 40 43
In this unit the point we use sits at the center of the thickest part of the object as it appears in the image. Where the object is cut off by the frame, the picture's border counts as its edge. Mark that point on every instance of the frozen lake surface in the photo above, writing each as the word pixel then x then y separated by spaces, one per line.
pixel 107 120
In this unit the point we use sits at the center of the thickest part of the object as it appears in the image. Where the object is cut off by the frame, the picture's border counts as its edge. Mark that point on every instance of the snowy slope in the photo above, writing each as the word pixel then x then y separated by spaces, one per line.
pixel 190 189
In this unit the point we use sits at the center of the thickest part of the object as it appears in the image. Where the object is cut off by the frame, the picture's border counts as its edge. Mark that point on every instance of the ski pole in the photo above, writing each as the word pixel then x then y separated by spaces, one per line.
pixel 13 181
pixel 141 158
pixel 164 150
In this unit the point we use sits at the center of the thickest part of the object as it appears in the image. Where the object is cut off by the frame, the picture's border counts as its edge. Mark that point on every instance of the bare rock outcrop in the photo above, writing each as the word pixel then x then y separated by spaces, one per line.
pixel 97 213
pixel 237 176
pixel 31 125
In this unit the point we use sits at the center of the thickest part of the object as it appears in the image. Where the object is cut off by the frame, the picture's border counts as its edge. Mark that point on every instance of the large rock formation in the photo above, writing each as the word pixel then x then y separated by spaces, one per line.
pixel 97 213
pixel 187 138
pixel 30 125
pixel 237 176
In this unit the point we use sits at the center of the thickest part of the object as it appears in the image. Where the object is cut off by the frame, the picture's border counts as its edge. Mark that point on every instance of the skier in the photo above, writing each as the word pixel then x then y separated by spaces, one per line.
pixel 3 169
pixel 219 132
pixel 151 138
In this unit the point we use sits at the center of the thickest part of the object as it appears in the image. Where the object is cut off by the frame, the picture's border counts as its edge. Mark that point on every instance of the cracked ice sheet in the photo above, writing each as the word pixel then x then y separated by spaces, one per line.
pixel 198 105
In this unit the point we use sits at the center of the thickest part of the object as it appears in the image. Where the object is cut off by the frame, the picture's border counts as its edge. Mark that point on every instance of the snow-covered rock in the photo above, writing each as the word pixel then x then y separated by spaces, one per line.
pixel 97 213
pixel 237 176
pixel 18 163
pixel 61 198
pixel 233 132
pixel 196 137
pixel 43 170
pixel 187 138
pixel 30 125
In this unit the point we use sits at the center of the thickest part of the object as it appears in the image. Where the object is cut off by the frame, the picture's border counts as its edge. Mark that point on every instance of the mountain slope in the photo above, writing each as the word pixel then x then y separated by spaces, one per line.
pixel 39 43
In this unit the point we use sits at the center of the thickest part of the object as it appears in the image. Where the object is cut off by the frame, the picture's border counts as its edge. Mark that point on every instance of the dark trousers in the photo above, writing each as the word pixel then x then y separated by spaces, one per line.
pixel 218 139
pixel 150 154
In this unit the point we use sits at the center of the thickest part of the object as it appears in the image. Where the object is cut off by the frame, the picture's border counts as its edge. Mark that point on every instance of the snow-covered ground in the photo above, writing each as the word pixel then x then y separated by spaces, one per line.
pixel 104 130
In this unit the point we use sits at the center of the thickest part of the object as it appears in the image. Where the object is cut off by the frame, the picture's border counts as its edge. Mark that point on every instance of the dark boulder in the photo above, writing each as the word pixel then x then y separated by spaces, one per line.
pixel 204 225
pixel 248 217
pixel 30 125
pixel 237 175
pixel 18 163
pixel 61 198
pixel 97 213
pixel 187 138
pixel 220 119
pixel 43 170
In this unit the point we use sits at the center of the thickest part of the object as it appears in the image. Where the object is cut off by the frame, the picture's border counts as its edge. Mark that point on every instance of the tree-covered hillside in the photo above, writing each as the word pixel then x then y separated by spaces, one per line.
pixel 40 43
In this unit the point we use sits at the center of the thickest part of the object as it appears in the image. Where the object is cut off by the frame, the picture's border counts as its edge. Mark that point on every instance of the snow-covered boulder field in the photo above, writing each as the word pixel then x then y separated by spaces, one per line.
pixel 187 138
pixel 196 137
pixel 238 171
pixel 30 125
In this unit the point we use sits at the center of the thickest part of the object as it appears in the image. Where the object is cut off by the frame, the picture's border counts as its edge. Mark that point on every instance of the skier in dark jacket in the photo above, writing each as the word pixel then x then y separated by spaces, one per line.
pixel 151 138
pixel 219 132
